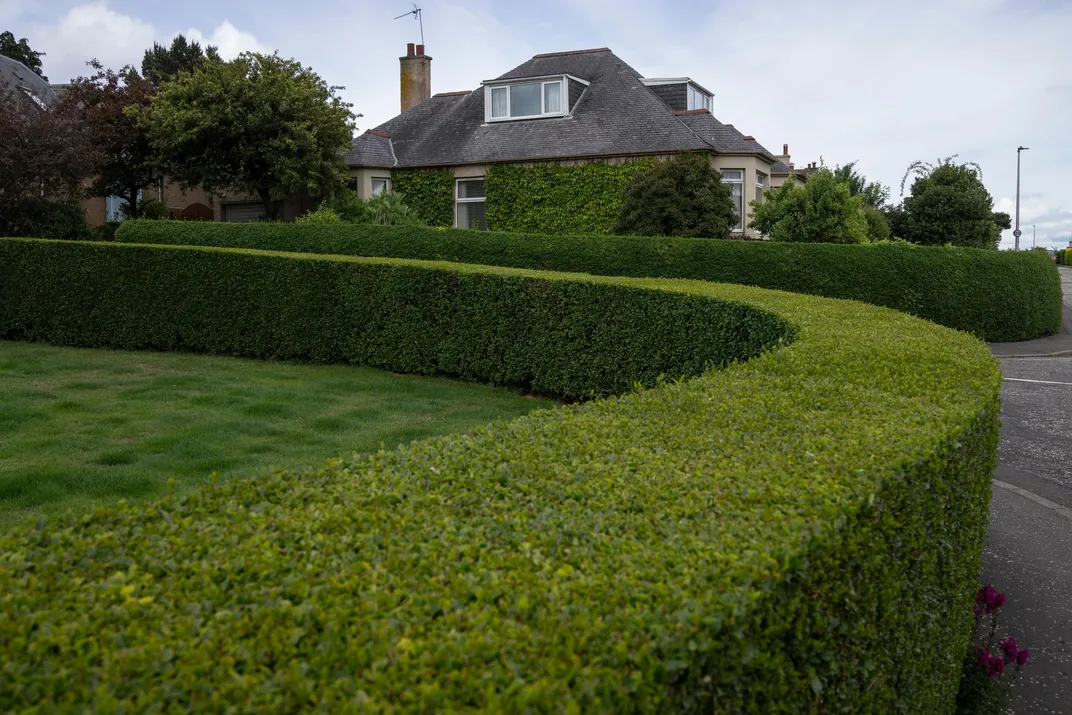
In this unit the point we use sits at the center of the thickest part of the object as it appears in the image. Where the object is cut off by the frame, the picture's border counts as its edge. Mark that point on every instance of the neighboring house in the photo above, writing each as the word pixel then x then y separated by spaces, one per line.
pixel 25 83
pixel 564 109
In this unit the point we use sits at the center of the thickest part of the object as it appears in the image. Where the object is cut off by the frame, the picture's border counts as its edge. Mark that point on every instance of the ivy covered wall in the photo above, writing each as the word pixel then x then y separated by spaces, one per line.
pixel 429 192
pixel 558 199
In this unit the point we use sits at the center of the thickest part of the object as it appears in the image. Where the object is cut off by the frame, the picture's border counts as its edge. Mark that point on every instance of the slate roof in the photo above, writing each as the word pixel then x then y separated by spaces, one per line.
pixel 372 150
pixel 780 167
pixel 615 115
pixel 15 75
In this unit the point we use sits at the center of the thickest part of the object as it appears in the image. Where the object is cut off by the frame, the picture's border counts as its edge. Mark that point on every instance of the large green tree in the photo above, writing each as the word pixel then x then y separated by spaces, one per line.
pixel 107 102
pixel 20 50
pixel 259 125
pixel 162 63
pixel 821 211
pixel 949 204
pixel 683 196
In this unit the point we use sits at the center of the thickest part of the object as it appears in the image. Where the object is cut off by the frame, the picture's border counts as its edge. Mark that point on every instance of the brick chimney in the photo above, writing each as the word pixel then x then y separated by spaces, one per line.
pixel 785 158
pixel 416 76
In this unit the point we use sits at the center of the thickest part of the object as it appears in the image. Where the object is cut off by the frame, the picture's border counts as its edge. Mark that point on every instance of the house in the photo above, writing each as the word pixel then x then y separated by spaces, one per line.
pixel 26 83
pixel 564 109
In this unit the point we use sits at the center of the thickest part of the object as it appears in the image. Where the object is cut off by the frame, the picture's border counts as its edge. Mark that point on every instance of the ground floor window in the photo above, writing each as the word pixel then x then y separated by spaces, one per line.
pixel 114 207
pixel 380 186
pixel 469 204
pixel 735 178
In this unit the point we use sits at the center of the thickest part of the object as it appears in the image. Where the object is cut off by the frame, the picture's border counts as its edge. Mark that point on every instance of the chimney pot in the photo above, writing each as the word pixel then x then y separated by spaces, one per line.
pixel 785 150
pixel 420 50
pixel 791 165
pixel 409 50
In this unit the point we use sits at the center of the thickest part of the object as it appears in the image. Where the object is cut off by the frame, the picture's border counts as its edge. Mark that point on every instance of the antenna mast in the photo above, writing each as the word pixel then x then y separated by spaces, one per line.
pixel 416 12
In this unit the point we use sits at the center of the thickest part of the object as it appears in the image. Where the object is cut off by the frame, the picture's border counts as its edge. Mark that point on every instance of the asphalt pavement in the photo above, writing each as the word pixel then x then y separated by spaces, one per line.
pixel 1028 553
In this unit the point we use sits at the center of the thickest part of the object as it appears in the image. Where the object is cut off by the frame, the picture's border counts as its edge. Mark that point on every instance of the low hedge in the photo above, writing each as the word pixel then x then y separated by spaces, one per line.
pixel 796 532
pixel 997 296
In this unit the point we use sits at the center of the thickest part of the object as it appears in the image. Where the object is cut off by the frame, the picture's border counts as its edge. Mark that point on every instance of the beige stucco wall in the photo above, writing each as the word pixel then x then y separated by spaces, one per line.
pixel 751 165
pixel 363 180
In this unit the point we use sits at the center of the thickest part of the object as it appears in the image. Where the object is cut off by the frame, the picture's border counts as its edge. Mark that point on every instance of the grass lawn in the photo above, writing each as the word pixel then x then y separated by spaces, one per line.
pixel 81 427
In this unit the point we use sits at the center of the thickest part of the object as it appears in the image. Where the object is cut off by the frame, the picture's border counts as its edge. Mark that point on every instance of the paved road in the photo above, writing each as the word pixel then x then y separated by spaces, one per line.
pixel 1029 543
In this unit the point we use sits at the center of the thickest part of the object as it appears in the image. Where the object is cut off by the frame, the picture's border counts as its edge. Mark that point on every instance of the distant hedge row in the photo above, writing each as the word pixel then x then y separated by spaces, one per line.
pixel 798 532
pixel 998 296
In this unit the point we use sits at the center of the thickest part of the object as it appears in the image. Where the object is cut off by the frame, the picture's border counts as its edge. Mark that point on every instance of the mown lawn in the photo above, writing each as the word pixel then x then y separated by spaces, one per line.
pixel 81 427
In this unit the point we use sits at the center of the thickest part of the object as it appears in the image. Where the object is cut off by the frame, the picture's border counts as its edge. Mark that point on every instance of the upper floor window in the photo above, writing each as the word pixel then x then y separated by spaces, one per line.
pixel 698 99
pixel 530 98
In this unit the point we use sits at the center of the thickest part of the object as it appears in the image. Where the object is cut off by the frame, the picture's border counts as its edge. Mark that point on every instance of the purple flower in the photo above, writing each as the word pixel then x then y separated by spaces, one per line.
pixel 996 666
pixel 1022 657
pixel 1008 645
pixel 999 601
pixel 982 657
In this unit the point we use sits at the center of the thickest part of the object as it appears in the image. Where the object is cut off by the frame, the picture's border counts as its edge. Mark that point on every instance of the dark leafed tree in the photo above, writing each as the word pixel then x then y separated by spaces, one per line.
pixel 821 211
pixel 105 101
pixel 948 203
pixel 163 64
pixel 45 154
pixel 20 50
pixel 684 196
pixel 288 142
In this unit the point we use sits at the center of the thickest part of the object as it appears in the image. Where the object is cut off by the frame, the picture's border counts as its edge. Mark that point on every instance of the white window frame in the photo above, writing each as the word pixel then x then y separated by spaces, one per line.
pixel 761 186
pixel 739 228
pixel 695 92
pixel 563 81
pixel 386 185
pixel 474 200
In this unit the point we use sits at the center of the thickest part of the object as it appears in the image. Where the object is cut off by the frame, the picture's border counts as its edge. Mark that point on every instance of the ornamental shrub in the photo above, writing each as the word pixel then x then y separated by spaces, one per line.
pixel 797 532
pixel 998 296
pixel 65 220
pixel 553 198
pixel 821 211
pixel 949 204
pixel 682 196
pixel 322 215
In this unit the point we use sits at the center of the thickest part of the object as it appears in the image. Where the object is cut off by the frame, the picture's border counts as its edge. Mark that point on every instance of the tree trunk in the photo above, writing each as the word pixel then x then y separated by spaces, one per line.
pixel 132 202
pixel 271 208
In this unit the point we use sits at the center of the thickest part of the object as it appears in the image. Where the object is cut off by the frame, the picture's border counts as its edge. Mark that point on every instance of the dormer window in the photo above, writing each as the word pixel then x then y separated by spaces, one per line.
pixel 530 98
pixel 698 99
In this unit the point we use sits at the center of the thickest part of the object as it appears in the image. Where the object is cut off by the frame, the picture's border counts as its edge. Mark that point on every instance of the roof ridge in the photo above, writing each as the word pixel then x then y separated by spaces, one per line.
pixel 571 52
pixel 691 112
pixel 453 94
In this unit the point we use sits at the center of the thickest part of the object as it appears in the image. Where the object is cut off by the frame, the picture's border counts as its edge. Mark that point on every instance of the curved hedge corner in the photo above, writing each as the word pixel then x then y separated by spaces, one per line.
pixel 798 532
pixel 997 296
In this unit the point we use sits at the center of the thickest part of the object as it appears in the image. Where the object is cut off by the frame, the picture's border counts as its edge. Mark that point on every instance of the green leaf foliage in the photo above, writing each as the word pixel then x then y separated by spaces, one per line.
pixel 998 296
pixel 20 50
pixel 949 204
pixel 258 125
pixel 821 211
pixel 558 199
pixel 164 63
pixel 682 196
pixel 428 192
pixel 800 531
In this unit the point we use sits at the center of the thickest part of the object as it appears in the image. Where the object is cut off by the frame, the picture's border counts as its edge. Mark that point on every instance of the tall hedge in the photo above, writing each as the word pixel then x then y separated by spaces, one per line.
pixel 798 532
pixel 996 295
pixel 429 192
pixel 585 199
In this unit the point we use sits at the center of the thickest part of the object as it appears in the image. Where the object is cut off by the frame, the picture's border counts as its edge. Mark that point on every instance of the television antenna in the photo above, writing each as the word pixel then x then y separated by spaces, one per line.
pixel 416 12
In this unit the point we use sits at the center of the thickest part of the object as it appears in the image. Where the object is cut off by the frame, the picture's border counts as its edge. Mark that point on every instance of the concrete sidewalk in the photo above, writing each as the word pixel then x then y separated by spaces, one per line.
pixel 1028 553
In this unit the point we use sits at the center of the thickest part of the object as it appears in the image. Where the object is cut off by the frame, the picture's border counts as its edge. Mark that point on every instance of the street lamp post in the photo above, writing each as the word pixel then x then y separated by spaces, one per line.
pixel 1016 233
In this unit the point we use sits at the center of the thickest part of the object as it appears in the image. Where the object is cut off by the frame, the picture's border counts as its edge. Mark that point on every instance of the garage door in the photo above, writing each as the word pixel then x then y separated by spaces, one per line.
pixel 243 213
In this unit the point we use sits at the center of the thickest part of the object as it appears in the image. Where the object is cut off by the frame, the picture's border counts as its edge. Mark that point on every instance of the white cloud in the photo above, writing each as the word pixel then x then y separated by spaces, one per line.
pixel 95 30
pixel 228 39
pixel 91 31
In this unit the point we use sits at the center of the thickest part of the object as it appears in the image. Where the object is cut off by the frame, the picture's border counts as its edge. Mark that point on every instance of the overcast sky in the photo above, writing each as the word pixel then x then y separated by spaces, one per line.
pixel 884 83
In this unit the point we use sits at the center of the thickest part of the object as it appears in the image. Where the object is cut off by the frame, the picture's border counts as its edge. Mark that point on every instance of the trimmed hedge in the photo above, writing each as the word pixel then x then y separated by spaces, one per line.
pixel 801 531
pixel 996 295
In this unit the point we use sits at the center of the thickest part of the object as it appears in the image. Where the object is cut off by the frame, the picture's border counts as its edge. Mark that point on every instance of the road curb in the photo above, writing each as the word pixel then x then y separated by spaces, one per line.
pixel 1057 508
